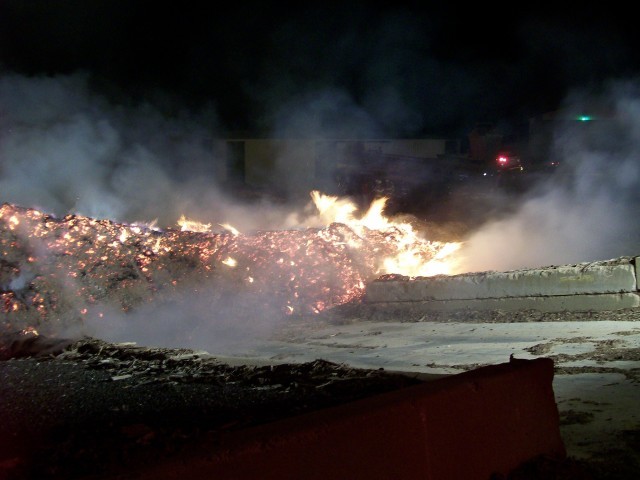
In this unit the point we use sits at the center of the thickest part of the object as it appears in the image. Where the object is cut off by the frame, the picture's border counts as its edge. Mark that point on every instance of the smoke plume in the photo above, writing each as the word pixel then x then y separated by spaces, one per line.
pixel 66 149
pixel 586 210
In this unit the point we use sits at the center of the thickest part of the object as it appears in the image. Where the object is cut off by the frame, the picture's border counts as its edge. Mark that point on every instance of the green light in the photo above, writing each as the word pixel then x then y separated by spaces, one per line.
pixel 584 118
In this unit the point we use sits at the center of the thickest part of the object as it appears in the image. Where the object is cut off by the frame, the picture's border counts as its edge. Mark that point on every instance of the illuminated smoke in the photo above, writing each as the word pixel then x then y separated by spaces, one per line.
pixel 587 210
pixel 66 149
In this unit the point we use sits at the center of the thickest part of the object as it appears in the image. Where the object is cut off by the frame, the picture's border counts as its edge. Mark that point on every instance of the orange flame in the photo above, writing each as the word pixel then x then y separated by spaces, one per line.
pixel 414 255
pixel 193 225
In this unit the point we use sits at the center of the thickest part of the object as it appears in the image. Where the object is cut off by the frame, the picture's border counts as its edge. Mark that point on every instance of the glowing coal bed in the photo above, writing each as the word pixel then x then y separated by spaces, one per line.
pixel 77 275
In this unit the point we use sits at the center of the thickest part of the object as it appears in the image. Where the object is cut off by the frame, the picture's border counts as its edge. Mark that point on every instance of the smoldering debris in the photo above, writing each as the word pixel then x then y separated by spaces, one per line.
pixel 77 275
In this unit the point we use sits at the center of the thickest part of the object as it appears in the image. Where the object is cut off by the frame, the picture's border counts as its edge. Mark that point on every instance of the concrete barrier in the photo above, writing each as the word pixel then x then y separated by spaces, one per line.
pixel 466 426
pixel 606 285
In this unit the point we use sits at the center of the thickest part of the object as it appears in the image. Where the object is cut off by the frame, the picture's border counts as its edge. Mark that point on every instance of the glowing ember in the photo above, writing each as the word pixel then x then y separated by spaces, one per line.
pixel 69 269
pixel 230 262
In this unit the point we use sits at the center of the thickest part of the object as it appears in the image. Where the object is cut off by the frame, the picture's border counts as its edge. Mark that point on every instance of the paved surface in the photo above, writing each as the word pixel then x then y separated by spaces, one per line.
pixel 597 380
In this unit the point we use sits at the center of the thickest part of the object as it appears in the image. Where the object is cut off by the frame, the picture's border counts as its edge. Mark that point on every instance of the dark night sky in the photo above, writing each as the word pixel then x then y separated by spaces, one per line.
pixel 412 67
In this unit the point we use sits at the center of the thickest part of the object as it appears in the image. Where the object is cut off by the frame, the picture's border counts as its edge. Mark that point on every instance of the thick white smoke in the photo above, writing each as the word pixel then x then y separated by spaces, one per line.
pixel 203 319
pixel 588 209
pixel 66 149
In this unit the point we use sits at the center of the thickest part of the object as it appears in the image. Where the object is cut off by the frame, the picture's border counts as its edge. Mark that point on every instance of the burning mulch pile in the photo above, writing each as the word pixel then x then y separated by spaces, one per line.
pixel 83 408
pixel 55 273
pixel 58 273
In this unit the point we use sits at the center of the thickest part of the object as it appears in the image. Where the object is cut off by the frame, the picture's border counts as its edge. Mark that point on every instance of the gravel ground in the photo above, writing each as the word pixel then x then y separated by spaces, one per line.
pixel 94 409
